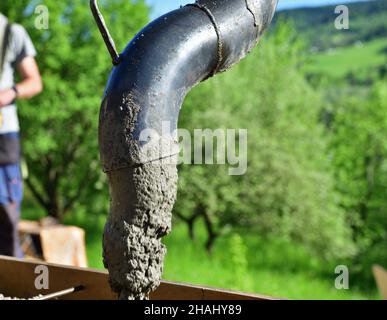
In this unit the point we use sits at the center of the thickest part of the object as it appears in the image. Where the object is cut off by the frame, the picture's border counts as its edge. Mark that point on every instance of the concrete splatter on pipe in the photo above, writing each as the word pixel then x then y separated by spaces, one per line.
pixel 145 91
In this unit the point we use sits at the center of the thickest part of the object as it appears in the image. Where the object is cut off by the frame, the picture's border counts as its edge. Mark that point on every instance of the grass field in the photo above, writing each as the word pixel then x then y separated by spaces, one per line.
pixel 338 63
pixel 246 263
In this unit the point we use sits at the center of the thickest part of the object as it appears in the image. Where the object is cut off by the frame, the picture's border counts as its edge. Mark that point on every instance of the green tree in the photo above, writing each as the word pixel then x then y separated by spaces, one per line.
pixel 59 128
pixel 359 149
pixel 288 190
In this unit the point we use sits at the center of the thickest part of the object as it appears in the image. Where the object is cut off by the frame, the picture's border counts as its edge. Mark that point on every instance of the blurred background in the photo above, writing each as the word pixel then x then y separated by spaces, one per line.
pixel 314 101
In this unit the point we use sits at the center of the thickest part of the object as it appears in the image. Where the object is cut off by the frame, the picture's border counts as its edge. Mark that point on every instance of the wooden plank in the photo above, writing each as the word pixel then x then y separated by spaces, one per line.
pixel 17 279
pixel 176 291
pixel 173 291
pixel 381 280
pixel 29 227
pixel 218 294
pixel 54 243
pixel 64 245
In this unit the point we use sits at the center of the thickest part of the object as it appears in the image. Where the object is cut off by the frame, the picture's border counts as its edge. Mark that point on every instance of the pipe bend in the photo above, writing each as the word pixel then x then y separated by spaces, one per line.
pixel 138 119
pixel 142 101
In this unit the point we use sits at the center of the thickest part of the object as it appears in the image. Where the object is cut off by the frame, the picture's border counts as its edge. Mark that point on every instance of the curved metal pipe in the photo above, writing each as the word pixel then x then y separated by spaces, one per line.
pixel 139 116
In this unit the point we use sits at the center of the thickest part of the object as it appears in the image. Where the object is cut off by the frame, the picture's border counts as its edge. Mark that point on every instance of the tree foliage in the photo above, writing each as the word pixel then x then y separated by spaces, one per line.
pixel 59 128
pixel 359 150
pixel 288 190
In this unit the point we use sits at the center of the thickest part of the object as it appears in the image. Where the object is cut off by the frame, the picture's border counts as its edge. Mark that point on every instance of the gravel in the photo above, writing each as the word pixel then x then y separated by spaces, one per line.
pixel 2 297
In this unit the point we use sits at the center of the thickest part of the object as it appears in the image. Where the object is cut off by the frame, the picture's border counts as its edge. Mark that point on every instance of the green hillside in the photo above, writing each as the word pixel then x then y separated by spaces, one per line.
pixel 354 59
pixel 358 54
pixel 368 21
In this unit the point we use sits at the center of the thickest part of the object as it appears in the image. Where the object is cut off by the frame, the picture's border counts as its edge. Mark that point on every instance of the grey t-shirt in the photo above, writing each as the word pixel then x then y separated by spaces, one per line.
pixel 20 47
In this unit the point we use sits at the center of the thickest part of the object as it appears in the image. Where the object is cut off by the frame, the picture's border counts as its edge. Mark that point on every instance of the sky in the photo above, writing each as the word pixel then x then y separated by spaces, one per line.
pixel 163 6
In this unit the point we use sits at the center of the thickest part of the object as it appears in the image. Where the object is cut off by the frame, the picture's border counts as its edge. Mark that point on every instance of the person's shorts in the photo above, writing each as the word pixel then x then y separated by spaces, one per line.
pixel 11 184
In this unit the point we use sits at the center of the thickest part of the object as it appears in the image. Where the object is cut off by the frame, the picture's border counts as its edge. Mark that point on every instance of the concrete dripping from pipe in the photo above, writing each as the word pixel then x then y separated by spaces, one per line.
pixel 145 91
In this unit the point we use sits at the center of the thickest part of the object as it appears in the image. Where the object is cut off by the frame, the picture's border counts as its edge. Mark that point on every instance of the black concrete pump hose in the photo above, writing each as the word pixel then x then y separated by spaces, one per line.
pixel 145 91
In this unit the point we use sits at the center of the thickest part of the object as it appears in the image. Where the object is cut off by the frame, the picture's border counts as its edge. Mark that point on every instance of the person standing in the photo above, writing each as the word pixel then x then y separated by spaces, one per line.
pixel 17 54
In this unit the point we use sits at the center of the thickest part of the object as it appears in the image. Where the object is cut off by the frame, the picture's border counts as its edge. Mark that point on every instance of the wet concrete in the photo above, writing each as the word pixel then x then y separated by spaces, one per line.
pixel 141 214
pixel 2 297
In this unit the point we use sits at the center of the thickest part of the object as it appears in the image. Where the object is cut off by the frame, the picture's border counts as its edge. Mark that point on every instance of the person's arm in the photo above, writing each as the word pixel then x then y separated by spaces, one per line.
pixel 30 86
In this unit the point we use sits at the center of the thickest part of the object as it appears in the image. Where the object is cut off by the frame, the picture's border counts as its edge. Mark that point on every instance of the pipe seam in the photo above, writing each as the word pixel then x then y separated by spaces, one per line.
pixel 252 11
pixel 218 34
